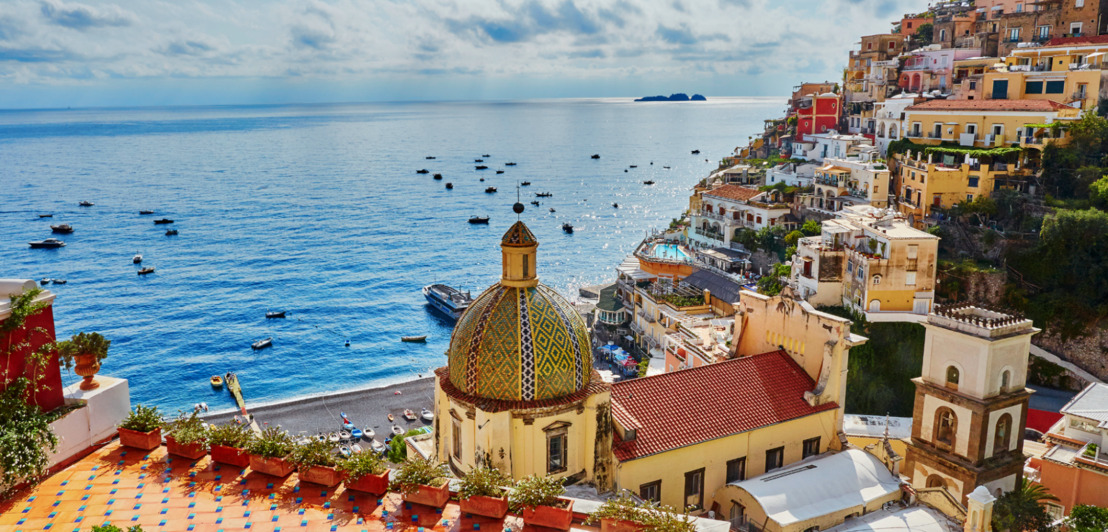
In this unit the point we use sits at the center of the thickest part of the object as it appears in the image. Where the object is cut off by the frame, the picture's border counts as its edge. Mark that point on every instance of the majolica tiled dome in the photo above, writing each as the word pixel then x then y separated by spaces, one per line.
pixel 520 340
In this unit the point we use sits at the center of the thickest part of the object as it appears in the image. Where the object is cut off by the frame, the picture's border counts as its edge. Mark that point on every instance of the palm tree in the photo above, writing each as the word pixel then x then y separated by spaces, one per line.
pixel 1022 509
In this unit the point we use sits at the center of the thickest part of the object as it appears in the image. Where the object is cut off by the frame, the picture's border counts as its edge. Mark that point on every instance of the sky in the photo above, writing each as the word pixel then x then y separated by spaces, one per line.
pixel 92 53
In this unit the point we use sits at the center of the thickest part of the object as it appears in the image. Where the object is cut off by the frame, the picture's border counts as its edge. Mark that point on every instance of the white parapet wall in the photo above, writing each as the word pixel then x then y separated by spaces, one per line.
pixel 96 420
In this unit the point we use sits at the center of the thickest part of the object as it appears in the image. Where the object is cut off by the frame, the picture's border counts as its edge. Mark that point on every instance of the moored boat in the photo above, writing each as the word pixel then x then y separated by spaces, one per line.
pixel 262 344
pixel 46 216
pixel 391 417
pixel 46 281
pixel 146 270
pixel 137 259
pixel 490 190
pixel 543 194
pixel 478 160
pixel 427 414
pixel 486 155
pixel 49 243
pixel 482 167
pixel 509 164
pixel 525 184
pixel 376 446
pixel 615 205
pixel 567 227
pixel 423 171
pixel 60 281
pixel 217 381
pixel 596 156
pixel 479 220
pixel 536 203
pixel 171 232
pixel 430 157
pixel 414 339
pixel 500 171
pixel 409 415
pixel 163 221
pixel 437 176
pixel 648 182
pixel 448 300
pixel 275 314
pixel 146 212
pixel 63 229
pixel 449 186
pixel 396 430
pixel 696 152
pixel 86 204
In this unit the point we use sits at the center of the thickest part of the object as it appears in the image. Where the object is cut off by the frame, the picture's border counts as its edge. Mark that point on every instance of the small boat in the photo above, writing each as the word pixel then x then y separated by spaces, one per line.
pixel 355 448
pixel 696 152
pixel 482 180
pixel 146 212
pixel 625 170
pixel 479 220
pixel 275 314
pixel 567 227
pixel 552 209
pixel 414 339
pixel 438 176
pixel 397 430
pixel 345 451
pixel 482 167
pixel 509 164
pixel 634 166
pixel 409 415
pixel 391 418
pixel 615 205
pixel 423 171
pixel 171 232
pixel 163 221
pixel 60 281
pixel 46 281
pixel 376 446
pixel 146 270
pixel 63 229
pixel 347 344
pixel 430 157
pixel 490 190
pixel 596 156
pixel 525 184
pixel 478 160
pixel 344 435
pixel 666 167
pixel 650 182
pixel 535 203
pixel 450 186
pixel 137 259
pixel 543 195
pixel 500 171
pixel 262 344
pixel 356 433
pixel 86 204
pixel 217 381
pixel 49 243
pixel 46 216
pixel 486 155
pixel 368 434
pixel 427 414
pixel 333 437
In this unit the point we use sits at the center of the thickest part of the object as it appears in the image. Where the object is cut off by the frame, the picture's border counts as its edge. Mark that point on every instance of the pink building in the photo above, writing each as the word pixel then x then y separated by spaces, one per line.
pixel 930 68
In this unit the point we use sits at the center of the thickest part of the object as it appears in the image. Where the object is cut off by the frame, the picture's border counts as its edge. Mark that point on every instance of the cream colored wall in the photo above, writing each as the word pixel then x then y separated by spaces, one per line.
pixel 963 415
pixel 1016 411
pixel 922 471
pixel 979 371
pixel 670 467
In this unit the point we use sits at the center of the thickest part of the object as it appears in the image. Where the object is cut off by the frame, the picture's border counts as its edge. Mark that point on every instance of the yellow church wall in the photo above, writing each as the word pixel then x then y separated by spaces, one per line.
pixel 670 467
pixel 891 300
pixel 529 441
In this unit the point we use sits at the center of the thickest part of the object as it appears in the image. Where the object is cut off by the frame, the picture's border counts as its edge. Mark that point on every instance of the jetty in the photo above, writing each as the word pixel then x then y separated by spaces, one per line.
pixel 235 388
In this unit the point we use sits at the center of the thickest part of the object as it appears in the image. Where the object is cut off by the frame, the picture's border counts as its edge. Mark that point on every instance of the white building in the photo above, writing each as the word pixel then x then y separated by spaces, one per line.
pixel 861 179
pixel 792 174
pixel 890 115
pixel 728 208
pixel 820 146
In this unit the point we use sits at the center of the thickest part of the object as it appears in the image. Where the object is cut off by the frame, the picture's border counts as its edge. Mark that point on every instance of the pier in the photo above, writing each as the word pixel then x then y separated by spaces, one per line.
pixel 235 388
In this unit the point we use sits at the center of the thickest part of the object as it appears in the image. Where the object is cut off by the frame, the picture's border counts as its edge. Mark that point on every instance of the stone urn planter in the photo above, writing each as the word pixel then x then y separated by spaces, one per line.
pixel 191 451
pixel 430 495
pixel 558 517
pixel 494 507
pixel 620 525
pixel 322 475
pixel 277 467
pixel 146 441
pixel 87 365
pixel 230 455
pixel 370 483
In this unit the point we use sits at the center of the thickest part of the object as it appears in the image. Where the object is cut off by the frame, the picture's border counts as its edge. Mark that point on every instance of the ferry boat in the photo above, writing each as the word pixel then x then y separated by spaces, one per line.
pixel 449 301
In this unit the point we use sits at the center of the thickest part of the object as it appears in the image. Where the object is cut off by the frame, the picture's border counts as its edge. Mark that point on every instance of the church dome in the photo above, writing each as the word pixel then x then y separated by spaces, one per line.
pixel 520 340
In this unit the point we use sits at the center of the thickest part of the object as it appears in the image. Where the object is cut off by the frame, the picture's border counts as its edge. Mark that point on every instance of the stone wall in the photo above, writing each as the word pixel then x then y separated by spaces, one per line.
pixel 1089 353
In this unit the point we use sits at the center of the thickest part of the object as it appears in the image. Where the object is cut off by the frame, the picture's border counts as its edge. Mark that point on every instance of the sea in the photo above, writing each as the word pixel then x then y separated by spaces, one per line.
pixel 317 210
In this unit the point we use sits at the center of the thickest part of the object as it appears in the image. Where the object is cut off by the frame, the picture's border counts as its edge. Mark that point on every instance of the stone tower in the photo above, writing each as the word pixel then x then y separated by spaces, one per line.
pixel 971 402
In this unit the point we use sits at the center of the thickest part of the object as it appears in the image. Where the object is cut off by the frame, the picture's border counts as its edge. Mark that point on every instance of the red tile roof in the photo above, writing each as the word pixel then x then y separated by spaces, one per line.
pixel 734 192
pixel 1072 41
pixel 988 105
pixel 695 405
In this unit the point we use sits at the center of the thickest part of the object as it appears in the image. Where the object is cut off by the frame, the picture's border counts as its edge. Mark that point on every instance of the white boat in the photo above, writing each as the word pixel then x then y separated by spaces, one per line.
pixel 137 259
pixel 427 414
pixel 344 451
pixel 333 437
pixel 409 415
pixel 262 344
pixel 397 430
pixel 368 434
pixel 356 448
pixel 344 435
pixel 377 446
pixel 450 301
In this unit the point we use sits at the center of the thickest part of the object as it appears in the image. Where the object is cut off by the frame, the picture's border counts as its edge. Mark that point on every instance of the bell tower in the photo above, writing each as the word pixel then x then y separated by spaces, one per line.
pixel 971 402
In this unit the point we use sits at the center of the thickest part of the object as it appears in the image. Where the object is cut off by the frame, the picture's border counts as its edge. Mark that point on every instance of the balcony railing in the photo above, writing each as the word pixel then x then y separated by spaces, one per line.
pixel 709 234
pixel 646 317
pixel 712 216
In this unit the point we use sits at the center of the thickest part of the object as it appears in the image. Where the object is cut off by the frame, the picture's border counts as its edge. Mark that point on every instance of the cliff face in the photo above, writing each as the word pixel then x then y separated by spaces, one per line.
pixel 1089 352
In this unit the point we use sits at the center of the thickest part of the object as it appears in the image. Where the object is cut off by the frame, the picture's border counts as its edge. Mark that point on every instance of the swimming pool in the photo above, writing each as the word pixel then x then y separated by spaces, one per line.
pixel 670 252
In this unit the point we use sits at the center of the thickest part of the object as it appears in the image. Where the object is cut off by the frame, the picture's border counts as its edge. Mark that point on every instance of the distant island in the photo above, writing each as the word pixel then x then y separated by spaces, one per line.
pixel 678 97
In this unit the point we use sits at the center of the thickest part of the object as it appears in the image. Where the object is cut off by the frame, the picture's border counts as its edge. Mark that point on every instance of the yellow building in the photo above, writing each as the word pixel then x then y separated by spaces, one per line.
pixel 940 181
pixel 519 392
pixel 980 123
pixel 1079 88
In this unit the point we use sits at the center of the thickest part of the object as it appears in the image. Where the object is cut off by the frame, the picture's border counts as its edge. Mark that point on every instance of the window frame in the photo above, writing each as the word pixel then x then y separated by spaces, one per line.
pixel 556 432
pixel 805 447
pixel 741 461
pixel 655 485
pixel 690 481
pixel 780 454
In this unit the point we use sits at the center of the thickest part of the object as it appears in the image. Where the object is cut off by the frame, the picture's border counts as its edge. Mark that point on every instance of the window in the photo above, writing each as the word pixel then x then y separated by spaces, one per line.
pixel 1055 87
pixel 1014 34
pixel 969 198
pixel 973 85
pixel 952 376
pixel 942 35
pixel 651 491
pixel 736 469
pixel 1078 3
pixel 556 451
pixel 1005 378
pixel 775 458
pixel 737 515
pixel 876 279
pixel 694 489
pixel 973 181
pixel 971 128
pixel 1033 87
pixel 935 481
pixel 1002 434
pixel 526 265
pixel 945 427
pixel 1075 30
pixel 910 279
pixel 456 437
pixel 811 447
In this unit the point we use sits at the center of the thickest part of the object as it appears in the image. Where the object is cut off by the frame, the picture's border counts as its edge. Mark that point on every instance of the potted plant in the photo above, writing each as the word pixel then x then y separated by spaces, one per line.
pixel 423 481
pixel 229 442
pixel 538 500
pixel 482 493
pixel 187 436
pixel 268 452
pixel 315 462
pixel 142 428
pixel 87 350
pixel 625 514
pixel 365 472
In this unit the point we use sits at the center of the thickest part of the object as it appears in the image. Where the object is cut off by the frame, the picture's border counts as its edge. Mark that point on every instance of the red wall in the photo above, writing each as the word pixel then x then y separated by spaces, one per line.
pixel 49 395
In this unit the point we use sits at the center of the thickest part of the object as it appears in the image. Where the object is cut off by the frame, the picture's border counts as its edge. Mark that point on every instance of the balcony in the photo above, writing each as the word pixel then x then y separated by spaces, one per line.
pixel 646 317
pixel 709 234
pixel 712 216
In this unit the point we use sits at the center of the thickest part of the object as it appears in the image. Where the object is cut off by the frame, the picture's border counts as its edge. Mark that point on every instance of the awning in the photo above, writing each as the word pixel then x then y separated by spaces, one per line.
pixel 630 338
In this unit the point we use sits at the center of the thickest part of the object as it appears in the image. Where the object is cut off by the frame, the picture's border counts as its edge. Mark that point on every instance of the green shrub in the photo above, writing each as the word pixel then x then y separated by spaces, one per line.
pixel 654 518
pixel 535 491
pixel 483 482
pixel 237 435
pixel 361 464
pixel 83 344
pixel 143 419
pixel 187 429
pixel 108 527
pixel 25 437
pixel 314 453
pixel 273 443
pixel 416 472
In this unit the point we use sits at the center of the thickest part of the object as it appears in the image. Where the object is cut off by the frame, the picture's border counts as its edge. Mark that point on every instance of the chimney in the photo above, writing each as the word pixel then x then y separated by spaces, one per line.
pixel 707 297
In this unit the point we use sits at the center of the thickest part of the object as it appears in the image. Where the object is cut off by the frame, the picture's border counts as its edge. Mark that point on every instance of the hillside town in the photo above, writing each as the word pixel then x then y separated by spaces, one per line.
pixel 843 331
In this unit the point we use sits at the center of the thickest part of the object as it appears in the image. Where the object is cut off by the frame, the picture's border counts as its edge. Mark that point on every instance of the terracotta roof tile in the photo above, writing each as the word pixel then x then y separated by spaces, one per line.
pixel 1071 41
pixel 733 192
pixel 695 405
pixel 988 105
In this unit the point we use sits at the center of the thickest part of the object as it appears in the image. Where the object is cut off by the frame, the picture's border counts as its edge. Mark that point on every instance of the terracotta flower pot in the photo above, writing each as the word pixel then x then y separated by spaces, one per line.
pixel 87 366
pixel 277 467
pixel 375 484
pixel 619 525
pixel 494 507
pixel 192 451
pixel 230 455
pixel 559 517
pixel 430 495
pixel 140 440
pixel 322 475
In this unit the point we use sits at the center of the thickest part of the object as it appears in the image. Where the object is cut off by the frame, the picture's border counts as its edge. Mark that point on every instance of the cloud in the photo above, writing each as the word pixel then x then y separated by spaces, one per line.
pixel 83 17
pixel 186 47
pixel 532 19
pixel 35 55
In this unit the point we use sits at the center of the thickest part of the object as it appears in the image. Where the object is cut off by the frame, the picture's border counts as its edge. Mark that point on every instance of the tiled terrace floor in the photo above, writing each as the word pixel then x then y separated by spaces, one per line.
pixel 127 487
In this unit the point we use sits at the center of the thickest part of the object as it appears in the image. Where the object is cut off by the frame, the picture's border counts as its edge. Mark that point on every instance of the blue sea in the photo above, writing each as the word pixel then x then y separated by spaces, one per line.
pixel 317 210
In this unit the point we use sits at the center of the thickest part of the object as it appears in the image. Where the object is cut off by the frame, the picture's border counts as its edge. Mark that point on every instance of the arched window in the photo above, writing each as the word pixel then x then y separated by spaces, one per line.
pixel 935 481
pixel 952 377
pixel 1002 434
pixel 946 426
pixel 1005 380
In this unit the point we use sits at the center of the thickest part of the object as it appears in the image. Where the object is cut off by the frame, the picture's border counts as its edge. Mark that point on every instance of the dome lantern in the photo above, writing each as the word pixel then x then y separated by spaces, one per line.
pixel 518 250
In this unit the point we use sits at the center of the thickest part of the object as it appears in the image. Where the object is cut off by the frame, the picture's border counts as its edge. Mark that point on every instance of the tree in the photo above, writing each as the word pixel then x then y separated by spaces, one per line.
pixel 925 34
pixel 1098 192
pixel 811 228
pixel 791 238
pixel 1087 518
pixel 771 284
pixel 1022 509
